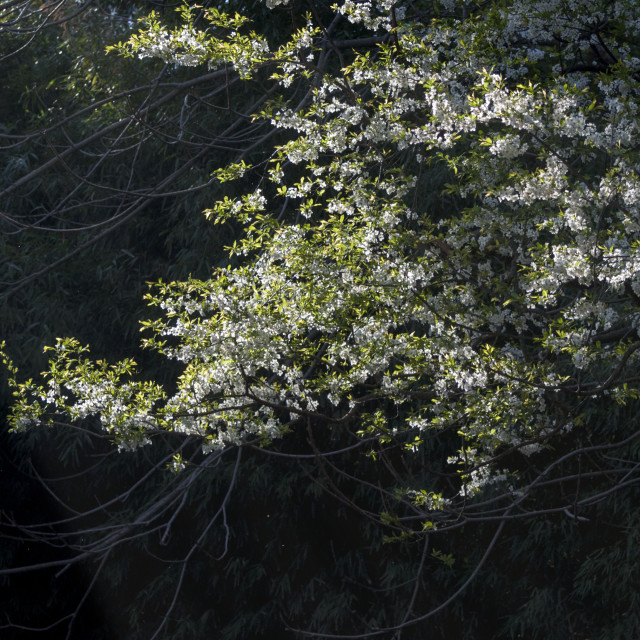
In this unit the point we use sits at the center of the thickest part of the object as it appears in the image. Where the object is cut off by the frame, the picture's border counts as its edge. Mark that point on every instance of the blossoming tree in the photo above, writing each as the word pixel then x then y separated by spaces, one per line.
pixel 445 241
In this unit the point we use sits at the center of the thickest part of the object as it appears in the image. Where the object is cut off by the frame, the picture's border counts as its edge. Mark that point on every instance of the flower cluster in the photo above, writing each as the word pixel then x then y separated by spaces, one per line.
pixel 378 306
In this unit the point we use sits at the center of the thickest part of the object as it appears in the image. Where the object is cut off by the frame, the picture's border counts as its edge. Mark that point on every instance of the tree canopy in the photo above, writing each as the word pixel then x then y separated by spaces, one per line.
pixel 436 282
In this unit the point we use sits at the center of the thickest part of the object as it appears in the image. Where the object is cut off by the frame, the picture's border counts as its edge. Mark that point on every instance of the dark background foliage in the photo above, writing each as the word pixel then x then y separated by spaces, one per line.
pixel 90 212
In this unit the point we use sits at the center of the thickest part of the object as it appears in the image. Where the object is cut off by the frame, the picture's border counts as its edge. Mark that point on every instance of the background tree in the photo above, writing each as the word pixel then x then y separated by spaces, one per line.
pixel 483 352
